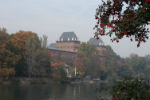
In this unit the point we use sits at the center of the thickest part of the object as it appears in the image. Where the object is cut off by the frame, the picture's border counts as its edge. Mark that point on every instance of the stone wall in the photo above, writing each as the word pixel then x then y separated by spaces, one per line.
pixel 102 50
pixel 71 46
pixel 69 57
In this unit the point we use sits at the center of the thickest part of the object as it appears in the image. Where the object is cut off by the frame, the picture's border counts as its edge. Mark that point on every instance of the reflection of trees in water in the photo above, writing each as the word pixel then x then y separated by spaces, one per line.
pixel 74 92
pixel 48 92
pixel 4 92
pixel 57 91
pixel 14 92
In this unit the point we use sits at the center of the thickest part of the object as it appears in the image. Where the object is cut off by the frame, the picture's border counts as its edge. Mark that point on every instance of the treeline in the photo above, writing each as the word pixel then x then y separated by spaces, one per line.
pixel 23 54
pixel 104 64
pixel 111 66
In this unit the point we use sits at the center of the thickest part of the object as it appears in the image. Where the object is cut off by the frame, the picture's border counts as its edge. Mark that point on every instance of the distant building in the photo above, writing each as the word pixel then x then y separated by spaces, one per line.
pixel 65 48
pixel 67 45
pixel 68 41
pixel 99 45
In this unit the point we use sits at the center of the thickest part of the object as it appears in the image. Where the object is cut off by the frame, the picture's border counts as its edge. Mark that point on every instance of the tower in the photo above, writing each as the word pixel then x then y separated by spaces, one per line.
pixel 99 45
pixel 68 41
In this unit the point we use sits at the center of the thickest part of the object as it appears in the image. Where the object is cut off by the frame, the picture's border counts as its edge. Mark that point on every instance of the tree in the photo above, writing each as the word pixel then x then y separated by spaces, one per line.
pixel 3 35
pixel 130 89
pixel 123 18
pixel 9 55
pixel 59 73
pixel 88 60
pixel 139 66
pixel 34 60
pixel 37 59
pixel 21 39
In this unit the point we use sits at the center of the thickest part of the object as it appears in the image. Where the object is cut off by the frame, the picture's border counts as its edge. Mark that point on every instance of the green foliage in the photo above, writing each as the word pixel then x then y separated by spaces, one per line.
pixel 88 58
pixel 37 57
pixel 88 49
pixel 59 73
pixel 123 19
pixel 130 89
pixel 111 67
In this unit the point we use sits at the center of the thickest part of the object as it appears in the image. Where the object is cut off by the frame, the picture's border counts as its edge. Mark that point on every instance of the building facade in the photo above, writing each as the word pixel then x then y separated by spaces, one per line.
pixel 68 41
pixel 67 46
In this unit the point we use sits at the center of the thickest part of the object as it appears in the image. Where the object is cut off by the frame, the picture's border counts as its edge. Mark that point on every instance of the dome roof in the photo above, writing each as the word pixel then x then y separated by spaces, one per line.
pixel 52 45
pixel 68 36
pixel 96 42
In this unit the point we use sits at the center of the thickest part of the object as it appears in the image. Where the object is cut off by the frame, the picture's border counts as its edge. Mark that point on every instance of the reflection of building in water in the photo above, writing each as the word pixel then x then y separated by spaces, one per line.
pixel 76 90
pixel 66 47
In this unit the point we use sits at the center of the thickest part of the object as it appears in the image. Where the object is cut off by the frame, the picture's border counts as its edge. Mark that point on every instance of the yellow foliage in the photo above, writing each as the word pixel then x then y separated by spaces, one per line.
pixel 5 73
pixel 8 57
pixel 21 38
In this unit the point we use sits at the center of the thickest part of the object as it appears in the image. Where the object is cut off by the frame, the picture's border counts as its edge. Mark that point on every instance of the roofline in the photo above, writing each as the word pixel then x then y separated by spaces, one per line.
pixel 61 50
pixel 68 41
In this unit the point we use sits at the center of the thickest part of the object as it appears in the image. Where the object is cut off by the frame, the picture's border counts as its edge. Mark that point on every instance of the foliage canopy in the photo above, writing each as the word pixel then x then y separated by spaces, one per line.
pixel 123 18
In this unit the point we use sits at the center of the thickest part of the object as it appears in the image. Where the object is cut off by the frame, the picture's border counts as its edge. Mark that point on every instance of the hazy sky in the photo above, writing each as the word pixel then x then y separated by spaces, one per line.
pixel 53 17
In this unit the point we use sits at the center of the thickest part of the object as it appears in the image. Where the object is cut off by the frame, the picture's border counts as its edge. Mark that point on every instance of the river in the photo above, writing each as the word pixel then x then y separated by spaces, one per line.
pixel 49 92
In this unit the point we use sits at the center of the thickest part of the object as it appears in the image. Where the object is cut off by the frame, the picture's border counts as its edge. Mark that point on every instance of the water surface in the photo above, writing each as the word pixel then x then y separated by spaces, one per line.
pixel 48 92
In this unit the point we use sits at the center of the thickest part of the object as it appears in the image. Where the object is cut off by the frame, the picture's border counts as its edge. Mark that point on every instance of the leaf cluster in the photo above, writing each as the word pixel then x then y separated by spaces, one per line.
pixel 123 18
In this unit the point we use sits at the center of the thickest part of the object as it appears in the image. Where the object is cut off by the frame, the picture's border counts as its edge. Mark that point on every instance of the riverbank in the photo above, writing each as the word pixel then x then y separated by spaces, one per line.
pixel 47 80
pixel 26 81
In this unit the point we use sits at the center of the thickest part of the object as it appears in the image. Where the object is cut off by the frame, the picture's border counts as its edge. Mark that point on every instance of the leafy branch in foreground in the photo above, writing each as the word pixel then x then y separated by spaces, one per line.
pixel 123 18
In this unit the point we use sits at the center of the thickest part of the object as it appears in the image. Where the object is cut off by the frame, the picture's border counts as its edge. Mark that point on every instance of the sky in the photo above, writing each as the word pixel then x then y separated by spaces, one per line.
pixel 53 17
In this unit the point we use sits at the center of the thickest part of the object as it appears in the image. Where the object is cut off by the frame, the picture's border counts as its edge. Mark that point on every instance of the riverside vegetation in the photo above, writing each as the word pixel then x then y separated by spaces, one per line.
pixel 25 54
pixel 24 58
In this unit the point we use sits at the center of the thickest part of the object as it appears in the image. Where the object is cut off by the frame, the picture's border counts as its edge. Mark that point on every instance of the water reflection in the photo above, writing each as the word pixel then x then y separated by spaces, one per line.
pixel 48 92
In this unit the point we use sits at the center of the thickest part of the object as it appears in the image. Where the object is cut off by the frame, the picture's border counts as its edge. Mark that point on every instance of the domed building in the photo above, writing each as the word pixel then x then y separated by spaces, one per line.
pixel 68 41
pixel 99 44
pixel 65 49
pixel 96 42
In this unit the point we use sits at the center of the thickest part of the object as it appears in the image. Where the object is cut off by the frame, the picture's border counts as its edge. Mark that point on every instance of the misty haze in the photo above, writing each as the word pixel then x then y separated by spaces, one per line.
pixel 74 50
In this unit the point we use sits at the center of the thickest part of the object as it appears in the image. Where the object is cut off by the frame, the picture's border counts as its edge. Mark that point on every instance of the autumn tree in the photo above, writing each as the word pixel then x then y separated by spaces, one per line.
pixel 3 35
pixel 123 18
pixel 88 60
pixel 58 72
pixel 8 51
pixel 20 39
pixel 9 55
pixel 34 56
